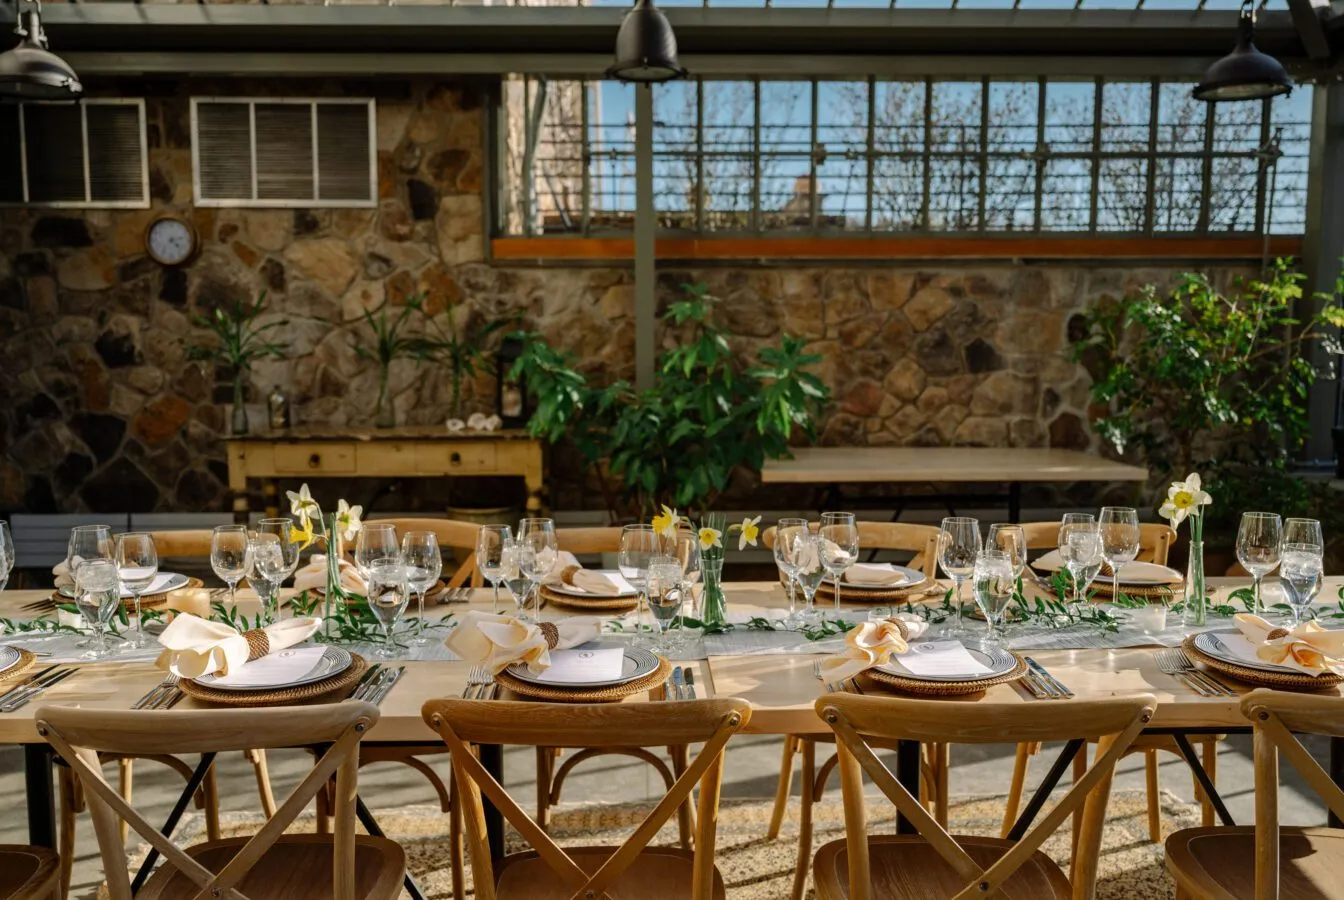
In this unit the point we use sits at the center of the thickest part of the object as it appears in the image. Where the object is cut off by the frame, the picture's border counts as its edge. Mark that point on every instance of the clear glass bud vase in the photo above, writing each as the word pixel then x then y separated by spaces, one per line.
pixel 713 605
pixel 1196 599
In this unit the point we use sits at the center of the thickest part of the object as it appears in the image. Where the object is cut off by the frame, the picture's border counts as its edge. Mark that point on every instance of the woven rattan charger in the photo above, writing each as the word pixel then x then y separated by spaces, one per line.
pixel 335 687
pixel 611 694
pixel 1288 681
pixel 148 601
pixel 852 594
pixel 603 604
pixel 920 686
pixel 25 663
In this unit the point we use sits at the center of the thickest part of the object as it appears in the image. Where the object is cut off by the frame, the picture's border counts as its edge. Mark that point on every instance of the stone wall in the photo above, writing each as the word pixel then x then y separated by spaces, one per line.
pixel 104 410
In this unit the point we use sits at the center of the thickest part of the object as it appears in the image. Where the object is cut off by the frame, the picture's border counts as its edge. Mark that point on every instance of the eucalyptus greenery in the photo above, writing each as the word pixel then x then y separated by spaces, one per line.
pixel 391 342
pixel 708 414
pixel 240 340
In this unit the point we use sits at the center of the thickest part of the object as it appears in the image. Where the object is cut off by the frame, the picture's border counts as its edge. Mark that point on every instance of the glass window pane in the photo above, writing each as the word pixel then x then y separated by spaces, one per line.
pixel 1066 195
pixel 557 165
pixel 1236 127
pixel 1125 111
pixel 1069 112
pixel 1177 193
pixel 116 164
pixel 54 136
pixel 1122 197
pixel 343 152
pixel 674 153
pixel 1010 181
pixel 786 154
pixel 899 135
pixel 224 151
pixel 1232 201
pixel 730 113
pixel 1180 119
pixel 842 132
pixel 1286 190
pixel 956 116
pixel 611 144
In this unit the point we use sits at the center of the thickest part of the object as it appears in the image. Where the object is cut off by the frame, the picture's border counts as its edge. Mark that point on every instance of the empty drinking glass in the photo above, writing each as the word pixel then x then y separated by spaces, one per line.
pixel 388 594
pixel 1119 540
pixel 424 564
pixel 665 592
pixel 808 571
pixel 839 546
pixel 88 542
pixel 269 571
pixel 993 587
pixel 639 544
pixel 1080 550
pixel 375 541
pixel 97 596
pixel 685 549
pixel 785 531
pixel 958 547
pixel 231 555
pixel 1258 547
pixel 538 536
pixel 513 576
pixel 1012 541
pixel 490 543
pixel 283 529
pixel 137 565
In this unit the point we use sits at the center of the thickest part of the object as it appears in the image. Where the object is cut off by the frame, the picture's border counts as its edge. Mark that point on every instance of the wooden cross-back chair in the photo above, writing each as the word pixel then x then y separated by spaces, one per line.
pixel 28 873
pixel 269 864
pixel 1155 540
pixel 1266 861
pixel 935 764
pixel 632 869
pixel 934 863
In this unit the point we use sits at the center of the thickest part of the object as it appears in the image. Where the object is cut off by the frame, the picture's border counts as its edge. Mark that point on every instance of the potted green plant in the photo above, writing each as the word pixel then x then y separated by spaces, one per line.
pixel 390 343
pixel 460 349
pixel 240 339
pixel 709 413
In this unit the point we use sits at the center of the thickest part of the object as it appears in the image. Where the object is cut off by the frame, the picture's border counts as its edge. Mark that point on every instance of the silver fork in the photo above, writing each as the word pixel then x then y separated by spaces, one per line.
pixel 1207 677
pixel 169 696
pixel 18 698
pixel 155 693
pixel 477 677
pixel 1171 664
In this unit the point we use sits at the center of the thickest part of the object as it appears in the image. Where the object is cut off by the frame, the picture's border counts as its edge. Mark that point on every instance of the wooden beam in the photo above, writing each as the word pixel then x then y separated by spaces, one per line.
pixel 544 249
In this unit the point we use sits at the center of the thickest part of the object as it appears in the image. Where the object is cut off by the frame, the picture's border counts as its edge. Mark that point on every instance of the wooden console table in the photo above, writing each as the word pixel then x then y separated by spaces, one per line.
pixel 380 453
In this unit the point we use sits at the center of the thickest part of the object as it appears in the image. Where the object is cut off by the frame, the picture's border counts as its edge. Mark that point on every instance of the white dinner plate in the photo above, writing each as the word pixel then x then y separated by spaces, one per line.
pixel 163 582
pixel 1135 573
pixel 637 663
pixel 998 661
pixel 333 662
pixel 9 657
pixel 1208 642
pixel 562 588
pixel 908 577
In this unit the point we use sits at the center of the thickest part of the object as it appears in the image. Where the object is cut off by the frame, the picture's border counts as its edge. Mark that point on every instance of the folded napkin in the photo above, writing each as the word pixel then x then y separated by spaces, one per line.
pixel 501 641
pixel 313 577
pixel 872 644
pixel 589 582
pixel 61 572
pixel 194 646
pixel 564 560
pixel 875 574
pixel 1308 648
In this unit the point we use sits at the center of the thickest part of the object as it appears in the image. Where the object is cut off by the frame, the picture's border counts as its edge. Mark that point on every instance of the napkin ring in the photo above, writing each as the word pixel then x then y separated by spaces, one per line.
pixel 258 643
pixel 567 574
pixel 551 633
pixel 1277 633
pixel 900 626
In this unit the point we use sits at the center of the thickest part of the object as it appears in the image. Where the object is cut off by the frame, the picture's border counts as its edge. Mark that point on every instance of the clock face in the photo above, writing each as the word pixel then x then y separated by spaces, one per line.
pixel 171 241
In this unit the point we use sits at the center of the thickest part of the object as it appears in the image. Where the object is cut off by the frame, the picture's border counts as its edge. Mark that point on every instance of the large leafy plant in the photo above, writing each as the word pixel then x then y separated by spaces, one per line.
pixel 391 341
pixel 708 414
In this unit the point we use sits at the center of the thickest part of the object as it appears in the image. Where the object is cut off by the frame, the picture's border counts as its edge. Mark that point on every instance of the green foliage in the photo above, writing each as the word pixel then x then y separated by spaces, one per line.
pixel 708 413
pixel 462 351
pixel 239 339
pixel 389 340
pixel 1197 380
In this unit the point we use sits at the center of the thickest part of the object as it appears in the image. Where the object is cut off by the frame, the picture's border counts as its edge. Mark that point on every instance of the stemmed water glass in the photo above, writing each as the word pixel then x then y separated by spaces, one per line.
pixel 785 531
pixel 639 544
pixel 231 555
pixel 269 570
pixel 6 554
pixel 993 587
pixel 1080 550
pixel 1259 541
pixel 388 594
pixel 375 541
pixel 511 558
pixel 808 571
pixel 685 548
pixel 839 546
pixel 491 542
pixel 1119 540
pixel 88 542
pixel 283 529
pixel 538 537
pixel 137 565
pixel 97 596
pixel 424 564
pixel 958 548
pixel 664 587
pixel 1303 563
pixel 1010 540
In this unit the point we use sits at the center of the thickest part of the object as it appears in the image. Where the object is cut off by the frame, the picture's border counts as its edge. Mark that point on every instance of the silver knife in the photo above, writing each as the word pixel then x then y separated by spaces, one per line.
pixel 1033 685
pixel 678 682
pixel 1048 679
pixel 34 689
pixel 386 687
pixel 364 679
pixel 690 683
pixel 14 691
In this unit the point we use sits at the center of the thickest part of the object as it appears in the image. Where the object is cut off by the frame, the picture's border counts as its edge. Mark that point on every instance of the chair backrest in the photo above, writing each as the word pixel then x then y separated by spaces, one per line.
pixel 192 542
pixel 79 735
pixel 1113 723
pixel 1155 539
pixel 921 540
pixel 452 534
pixel 600 725
pixel 588 540
pixel 1276 715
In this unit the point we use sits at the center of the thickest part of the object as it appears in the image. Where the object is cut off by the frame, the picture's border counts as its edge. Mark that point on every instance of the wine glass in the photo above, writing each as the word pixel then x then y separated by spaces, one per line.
pixel 1301 571
pixel 88 542
pixel 513 576
pixel 993 587
pixel 97 596
pixel 231 555
pixel 490 543
pixel 1012 541
pixel 685 548
pixel 388 594
pixel 283 529
pixel 375 541
pixel 808 571
pixel 839 546
pixel 1259 541
pixel 424 564
pixel 269 570
pixel 137 565
pixel 1119 540
pixel 664 587
pixel 639 544
pixel 785 531
pixel 958 547
pixel 6 554
pixel 1080 550
pixel 538 535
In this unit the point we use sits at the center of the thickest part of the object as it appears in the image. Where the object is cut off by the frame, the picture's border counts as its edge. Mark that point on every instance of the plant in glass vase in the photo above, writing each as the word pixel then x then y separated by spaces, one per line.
pixel 1187 499
pixel 328 532
pixel 240 340
pixel 390 343
pixel 461 349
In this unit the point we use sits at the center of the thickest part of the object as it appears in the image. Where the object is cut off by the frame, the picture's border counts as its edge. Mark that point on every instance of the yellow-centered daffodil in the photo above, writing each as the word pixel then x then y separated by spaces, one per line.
pixel 750 530
pixel 710 537
pixel 666 523
pixel 347 519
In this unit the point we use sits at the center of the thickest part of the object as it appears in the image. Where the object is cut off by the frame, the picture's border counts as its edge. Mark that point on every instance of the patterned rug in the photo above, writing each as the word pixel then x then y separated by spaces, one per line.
pixel 756 869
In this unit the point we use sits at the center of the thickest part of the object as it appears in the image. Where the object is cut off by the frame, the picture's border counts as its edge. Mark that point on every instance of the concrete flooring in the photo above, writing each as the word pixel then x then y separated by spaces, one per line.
pixel 750 772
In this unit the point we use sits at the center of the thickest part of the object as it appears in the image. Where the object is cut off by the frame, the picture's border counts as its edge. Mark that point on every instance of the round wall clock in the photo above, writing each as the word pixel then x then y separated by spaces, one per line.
pixel 171 241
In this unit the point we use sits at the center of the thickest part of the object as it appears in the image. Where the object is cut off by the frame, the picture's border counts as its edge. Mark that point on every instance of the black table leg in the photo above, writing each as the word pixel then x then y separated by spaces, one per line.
pixel 1205 784
pixel 907 773
pixel 492 759
pixel 1042 794
pixel 180 807
pixel 372 827
pixel 1015 502
pixel 37 779
pixel 1336 773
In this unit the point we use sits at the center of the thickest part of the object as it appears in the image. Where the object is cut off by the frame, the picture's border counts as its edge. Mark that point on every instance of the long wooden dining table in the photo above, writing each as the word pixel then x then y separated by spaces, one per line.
pixel 781 688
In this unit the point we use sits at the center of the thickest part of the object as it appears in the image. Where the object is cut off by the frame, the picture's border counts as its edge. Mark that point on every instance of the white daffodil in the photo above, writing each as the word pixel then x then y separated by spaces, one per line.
pixel 347 519
pixel 667 523
pixel 710 537
pixel 301 505
pixel 1184 498
pixel 750 529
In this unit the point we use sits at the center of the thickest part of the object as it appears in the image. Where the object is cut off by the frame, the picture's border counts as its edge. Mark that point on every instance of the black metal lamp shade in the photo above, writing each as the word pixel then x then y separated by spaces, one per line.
pixel 30 71
pixel 1245 73
pixel 646 47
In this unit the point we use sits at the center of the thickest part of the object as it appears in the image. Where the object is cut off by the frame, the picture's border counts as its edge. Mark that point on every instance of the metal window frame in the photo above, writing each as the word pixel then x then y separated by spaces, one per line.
pixel 316 202
pixel 88 202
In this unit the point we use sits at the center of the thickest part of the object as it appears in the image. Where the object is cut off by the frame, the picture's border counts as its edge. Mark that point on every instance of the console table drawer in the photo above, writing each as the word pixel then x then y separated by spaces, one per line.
pixel 461 458
pixel 325 458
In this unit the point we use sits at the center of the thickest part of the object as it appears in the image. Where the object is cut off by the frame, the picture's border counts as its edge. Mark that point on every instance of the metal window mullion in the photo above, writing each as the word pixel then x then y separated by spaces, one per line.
pixel 984 152
pixel 757 220
pixel 1095 190
pixel 23 151
pixel 1206 173
pixel 1041 154
pixel 585 157
pixel 317 170
pixel 871 155
pixel 144 155
pixel 1262 167
pixel 926 215
pixel 84 141
pixel 814 187
pixel 252 138
pixel 1150 200
pixel 700 192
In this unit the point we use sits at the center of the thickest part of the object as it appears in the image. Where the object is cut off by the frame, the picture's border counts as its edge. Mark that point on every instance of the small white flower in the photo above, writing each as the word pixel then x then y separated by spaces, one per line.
pixel 749 528
pixel 1184 498
pixel 301 505
pixel 347 519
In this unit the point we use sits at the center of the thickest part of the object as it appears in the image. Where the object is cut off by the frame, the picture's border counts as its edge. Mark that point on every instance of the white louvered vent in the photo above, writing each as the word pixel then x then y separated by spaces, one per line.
pixel 90 153
pixel 288 152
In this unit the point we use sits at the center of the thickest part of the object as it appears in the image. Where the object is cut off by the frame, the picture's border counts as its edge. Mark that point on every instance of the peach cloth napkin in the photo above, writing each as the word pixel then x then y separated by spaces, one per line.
pixel 870 644
pixel 313 577
pixel 865 573
pixel 567 570
pixel 501 641
pixel 61 572
pixel 1308 648
pixel 193 646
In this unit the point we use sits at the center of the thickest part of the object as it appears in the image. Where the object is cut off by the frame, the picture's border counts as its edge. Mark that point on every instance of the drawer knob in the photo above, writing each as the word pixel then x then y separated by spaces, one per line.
pixel 455 459
pixel 314 461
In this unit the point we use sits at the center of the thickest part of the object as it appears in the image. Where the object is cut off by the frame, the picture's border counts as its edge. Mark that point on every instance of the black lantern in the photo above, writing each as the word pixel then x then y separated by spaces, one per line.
pixel 31 72
pixel 646 47
pixel 1245 73
pixel 511 404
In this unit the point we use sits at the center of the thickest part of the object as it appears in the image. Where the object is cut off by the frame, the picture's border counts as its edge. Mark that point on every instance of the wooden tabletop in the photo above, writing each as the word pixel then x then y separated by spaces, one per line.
pixel 890 465
pixel 780 687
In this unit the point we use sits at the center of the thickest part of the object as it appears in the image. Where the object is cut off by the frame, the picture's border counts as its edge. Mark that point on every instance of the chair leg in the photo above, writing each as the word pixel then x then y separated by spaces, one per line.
pixel 70 804
pixel 322 809
pixel 455 864
pixel 783 788
pixel 1210 757
pixel 809 751
pixel 1154 807
pixel 942 769
pixel 545 773
pixel 685 813
pixel 125 785
pixel 259 768
pixel 1079 769
pixel 1014 803
pixel 211 787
